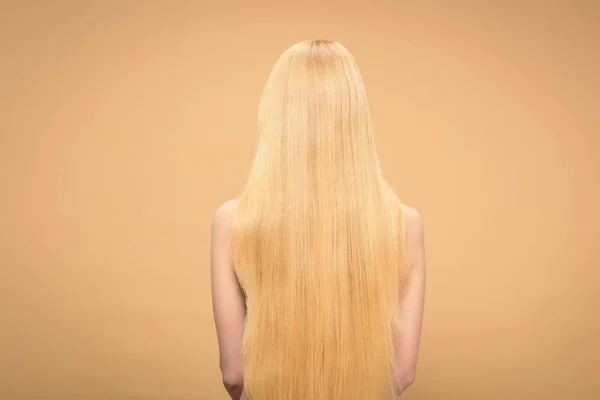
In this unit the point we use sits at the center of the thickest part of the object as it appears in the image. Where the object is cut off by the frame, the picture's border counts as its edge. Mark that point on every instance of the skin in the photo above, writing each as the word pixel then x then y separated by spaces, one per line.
pixel 229 308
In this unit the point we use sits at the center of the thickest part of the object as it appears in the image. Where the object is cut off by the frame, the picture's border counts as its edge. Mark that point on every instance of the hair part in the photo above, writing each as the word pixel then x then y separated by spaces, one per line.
pixel 317 238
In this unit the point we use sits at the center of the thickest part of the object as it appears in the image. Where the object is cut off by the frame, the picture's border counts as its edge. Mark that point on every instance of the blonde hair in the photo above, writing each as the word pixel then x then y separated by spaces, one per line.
pixel 317 238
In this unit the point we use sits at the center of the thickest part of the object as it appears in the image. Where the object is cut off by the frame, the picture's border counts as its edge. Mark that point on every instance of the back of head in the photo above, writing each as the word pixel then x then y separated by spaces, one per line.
pixel 314 116
pixel 317 237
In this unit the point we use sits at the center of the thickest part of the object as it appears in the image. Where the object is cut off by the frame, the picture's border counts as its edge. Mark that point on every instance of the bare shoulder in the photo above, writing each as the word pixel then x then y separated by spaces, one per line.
pixel 221 219
pixel 415 235
pixel 412 217
pixel 225 211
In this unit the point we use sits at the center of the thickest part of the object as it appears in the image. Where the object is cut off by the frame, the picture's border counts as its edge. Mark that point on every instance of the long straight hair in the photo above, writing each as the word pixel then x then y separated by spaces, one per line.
pixel 318 238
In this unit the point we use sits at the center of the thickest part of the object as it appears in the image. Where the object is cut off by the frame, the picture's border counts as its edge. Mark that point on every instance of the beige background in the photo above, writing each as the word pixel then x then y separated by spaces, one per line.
pixel 124 125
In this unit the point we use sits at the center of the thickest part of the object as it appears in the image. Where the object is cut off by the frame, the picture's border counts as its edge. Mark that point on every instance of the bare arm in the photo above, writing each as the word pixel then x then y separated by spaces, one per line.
pixel 228 302
pixel 412 301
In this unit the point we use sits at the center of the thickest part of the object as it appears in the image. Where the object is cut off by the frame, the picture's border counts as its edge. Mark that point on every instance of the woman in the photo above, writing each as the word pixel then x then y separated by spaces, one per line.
pixel 318 270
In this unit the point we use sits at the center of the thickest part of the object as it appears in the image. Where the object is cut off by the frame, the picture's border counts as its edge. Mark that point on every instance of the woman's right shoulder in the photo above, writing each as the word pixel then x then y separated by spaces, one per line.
pixel 412 217
pixel 415 235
